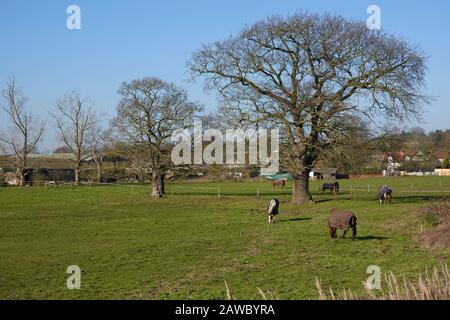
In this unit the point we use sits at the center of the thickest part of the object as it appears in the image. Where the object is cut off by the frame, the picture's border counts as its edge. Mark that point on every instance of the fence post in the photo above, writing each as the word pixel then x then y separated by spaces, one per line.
pixel 218 192
pixel 257 194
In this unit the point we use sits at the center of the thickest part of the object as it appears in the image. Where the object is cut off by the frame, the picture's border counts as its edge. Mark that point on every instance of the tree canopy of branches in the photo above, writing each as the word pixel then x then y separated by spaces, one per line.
pixel 312 74
pixel 149 112
pixel 77 126
pixel 24 134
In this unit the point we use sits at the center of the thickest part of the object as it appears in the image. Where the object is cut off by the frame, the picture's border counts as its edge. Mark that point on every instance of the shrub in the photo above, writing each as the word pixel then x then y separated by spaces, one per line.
pixel 3 182
pixel 446 164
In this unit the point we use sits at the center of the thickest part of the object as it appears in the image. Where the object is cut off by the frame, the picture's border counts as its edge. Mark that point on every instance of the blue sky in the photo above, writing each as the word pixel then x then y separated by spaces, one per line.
pixel 123 40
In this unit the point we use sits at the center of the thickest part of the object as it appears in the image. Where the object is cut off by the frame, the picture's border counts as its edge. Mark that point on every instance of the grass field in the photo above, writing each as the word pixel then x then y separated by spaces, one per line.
pixel 130 246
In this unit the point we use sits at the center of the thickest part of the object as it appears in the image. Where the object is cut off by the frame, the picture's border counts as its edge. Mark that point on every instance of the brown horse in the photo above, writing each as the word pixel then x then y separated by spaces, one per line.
pixel 278 183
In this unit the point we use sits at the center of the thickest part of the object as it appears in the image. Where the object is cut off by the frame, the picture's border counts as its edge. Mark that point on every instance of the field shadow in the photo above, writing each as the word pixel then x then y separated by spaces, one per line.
pixel 367 238
pixel 331 199
pixel 295 219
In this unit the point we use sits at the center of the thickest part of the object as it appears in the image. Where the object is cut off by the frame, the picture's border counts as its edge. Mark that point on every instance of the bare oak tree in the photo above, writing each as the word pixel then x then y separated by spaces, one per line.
pixel 310 74
pixel 147 115
pixel 24 133
pixel 76 124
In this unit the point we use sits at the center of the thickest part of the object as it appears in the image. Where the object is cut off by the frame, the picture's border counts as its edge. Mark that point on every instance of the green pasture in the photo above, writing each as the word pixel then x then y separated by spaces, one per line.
pixel 131 246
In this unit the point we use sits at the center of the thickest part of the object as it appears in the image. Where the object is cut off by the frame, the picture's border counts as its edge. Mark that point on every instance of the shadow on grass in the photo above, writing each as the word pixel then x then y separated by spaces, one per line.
pixel 366 238
pixel 295 219
pixel 332 199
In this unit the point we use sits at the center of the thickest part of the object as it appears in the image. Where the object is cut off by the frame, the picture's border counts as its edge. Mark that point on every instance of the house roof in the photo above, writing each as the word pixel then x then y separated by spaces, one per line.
pixel 441 154
pixel 325 170
pixel 40 163
pixel 398 156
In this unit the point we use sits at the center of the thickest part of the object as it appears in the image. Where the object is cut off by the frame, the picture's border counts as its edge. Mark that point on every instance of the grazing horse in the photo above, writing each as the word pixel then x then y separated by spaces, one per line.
pixel 342 220
pixel 278 183
pixel 384 195
pixel 272 209
pixel 333 187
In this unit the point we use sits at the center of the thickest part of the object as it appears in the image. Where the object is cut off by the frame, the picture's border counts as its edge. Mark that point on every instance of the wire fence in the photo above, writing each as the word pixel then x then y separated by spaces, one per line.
pixel 174 190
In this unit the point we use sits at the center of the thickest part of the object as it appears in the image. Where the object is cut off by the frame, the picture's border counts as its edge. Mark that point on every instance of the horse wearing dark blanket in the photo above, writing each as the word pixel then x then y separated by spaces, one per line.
pixel 384 194
pixel 342 220
pixel 333 187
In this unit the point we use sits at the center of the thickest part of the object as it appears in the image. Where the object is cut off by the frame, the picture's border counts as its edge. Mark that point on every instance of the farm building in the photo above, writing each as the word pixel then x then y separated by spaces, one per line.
pixel 57 167
pixel 325 173
pixel 316 173
pixel 442 172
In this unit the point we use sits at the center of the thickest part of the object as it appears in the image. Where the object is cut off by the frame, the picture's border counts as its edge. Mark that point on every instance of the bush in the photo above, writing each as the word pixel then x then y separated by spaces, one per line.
pixel 3 182
pixel 418 166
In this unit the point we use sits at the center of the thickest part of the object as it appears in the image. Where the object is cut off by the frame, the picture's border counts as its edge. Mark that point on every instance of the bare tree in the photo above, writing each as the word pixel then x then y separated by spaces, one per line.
pixel 24 134
pixel 148 113
pixel 76 123
pixel 101 143
pixel 310 74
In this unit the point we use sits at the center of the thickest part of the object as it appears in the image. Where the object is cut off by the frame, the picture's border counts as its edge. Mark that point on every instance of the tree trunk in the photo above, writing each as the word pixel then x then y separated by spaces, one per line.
pixel 99 175
pixel 77 175
pixel 300 190
pixel 158 187
pixel 20 177
pixel 99 171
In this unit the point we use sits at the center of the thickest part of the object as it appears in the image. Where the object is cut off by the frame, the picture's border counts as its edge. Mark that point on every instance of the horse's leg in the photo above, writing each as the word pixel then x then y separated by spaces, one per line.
pixel 333 232
pixel 353 233
pixel 343 235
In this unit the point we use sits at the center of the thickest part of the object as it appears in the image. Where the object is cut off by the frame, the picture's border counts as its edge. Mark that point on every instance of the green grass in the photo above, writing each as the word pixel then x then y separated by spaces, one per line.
pixel 130 246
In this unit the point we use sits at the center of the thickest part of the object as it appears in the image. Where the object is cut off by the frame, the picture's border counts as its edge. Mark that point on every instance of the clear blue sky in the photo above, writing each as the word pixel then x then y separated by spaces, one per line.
pixel 122 40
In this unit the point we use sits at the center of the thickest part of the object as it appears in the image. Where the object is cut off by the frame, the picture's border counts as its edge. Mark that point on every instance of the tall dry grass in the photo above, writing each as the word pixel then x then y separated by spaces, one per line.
pixel 430 286
pixel 264 295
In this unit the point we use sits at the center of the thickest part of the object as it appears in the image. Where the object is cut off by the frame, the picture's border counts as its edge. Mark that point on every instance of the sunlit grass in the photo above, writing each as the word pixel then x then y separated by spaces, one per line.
pixel 186 245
